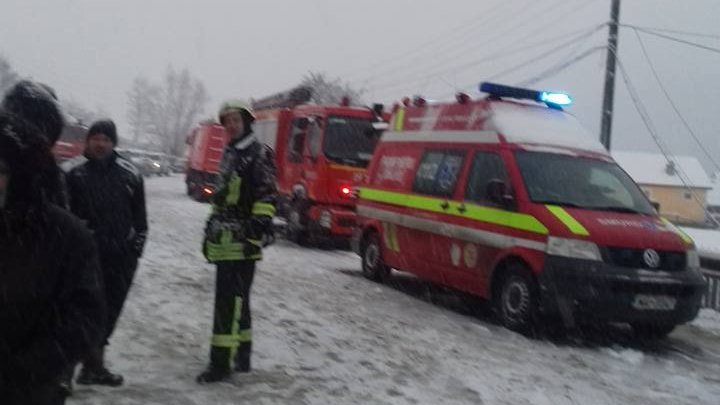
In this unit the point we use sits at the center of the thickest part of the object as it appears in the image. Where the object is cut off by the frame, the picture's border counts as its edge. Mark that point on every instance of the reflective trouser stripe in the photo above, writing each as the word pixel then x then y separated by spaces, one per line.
pixel 263 209
pixel 571 223
pixel 237 314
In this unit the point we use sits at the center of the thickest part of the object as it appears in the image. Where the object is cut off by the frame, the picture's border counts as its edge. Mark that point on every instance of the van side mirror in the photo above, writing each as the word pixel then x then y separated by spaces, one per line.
pixel 655 205
pixel 496 192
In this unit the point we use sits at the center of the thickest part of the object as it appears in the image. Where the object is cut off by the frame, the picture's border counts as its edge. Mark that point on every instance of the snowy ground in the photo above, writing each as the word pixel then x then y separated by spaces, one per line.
pixel 325 335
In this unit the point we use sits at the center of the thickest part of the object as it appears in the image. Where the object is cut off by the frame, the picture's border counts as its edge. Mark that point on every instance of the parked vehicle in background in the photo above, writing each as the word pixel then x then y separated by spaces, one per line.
pixel 206 143
pixel 515 202
pixel 71 142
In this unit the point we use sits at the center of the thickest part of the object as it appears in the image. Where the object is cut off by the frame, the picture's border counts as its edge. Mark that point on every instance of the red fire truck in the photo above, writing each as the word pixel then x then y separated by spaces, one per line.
pixel 206 147
pixel 322 152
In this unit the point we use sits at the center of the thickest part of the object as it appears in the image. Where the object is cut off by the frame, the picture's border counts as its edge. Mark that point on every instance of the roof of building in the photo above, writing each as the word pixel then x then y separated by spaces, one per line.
pixel 654 169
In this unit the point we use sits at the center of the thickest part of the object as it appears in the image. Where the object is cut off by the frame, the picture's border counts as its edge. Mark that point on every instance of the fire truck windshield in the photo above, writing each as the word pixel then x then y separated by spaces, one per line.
pixel 580 182
pixel 349 140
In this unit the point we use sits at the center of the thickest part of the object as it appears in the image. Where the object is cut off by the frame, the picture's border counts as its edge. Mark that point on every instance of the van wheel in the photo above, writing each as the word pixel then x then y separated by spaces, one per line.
pixel 516 299
pixel 652 331
pixel 373 266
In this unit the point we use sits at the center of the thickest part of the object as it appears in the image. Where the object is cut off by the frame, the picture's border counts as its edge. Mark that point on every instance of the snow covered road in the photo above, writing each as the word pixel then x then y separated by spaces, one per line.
pixel 324 335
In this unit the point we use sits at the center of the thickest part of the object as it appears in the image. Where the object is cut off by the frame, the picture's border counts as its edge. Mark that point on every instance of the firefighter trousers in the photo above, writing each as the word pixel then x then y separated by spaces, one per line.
pixel 231 343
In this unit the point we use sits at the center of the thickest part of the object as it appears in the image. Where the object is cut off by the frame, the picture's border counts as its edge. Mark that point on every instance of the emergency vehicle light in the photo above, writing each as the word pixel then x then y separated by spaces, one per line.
pixel 552 99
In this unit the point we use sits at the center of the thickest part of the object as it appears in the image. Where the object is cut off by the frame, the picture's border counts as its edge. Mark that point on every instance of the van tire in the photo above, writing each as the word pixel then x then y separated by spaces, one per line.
pixel 516 299
pixel 373 266
pixel 646 331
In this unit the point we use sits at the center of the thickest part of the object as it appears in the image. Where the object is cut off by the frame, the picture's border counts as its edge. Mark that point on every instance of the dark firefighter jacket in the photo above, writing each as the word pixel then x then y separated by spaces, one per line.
pixel 51 300
pixel 109 194
pixel 244 204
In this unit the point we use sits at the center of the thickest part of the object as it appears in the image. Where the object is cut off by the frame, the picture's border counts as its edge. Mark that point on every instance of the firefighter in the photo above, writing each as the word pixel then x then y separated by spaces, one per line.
pixel 107 191
pixel 51 300
pixel 241 218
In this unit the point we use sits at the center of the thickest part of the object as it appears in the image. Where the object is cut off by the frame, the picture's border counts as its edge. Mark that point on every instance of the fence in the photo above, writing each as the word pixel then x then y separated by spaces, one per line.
pixel 710 267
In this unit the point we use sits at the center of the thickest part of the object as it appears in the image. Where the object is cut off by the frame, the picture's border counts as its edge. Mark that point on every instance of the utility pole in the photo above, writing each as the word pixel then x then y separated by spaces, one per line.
pixel 607 108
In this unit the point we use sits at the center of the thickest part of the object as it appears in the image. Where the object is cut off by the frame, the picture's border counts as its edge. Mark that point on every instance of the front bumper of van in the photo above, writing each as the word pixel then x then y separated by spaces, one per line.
pixel 594 290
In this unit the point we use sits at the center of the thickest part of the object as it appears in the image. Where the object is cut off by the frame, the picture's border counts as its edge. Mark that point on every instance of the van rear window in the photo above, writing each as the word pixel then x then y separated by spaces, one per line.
pixel 438 172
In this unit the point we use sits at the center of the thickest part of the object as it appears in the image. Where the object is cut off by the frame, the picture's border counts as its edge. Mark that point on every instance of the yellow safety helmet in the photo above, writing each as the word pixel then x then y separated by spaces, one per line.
pixel 236 105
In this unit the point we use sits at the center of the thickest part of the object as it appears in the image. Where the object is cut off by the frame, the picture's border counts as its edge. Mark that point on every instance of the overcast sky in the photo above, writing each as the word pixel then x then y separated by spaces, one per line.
pixel 91 50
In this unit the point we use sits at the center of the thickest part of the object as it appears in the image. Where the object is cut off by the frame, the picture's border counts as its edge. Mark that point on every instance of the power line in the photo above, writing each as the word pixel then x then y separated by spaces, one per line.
pixel 645 117
pixel 497 55
pixel 671 31
pixel 467 43
pixel 682 41
pixel 458 29
pixel 672 103
pixel 554 70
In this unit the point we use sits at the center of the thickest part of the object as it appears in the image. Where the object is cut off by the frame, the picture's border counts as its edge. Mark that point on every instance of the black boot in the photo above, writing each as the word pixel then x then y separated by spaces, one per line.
pixel 242 358
pixel 95 373
pixel 212 375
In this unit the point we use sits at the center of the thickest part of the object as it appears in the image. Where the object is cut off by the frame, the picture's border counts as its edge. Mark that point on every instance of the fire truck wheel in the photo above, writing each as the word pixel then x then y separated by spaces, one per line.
pixel 373 266
pixel 652 331
pixel 516 299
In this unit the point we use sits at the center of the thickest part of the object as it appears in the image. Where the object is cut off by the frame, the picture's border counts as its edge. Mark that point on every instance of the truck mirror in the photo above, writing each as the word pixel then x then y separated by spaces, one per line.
pixel 496 192
pixel 302 123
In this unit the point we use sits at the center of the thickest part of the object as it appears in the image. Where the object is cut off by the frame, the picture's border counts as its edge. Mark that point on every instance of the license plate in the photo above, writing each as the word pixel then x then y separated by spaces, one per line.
pixel 654 302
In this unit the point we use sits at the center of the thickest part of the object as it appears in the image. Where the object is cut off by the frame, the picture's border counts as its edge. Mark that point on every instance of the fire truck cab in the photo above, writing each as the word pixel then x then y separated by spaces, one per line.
pixel 322 152
pixel 510 199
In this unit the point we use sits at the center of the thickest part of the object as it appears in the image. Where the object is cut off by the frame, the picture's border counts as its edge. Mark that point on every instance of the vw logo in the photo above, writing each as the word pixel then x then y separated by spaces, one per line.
pixel 651 258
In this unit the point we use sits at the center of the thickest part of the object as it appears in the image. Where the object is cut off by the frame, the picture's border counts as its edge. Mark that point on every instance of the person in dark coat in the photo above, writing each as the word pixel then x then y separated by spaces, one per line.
pixel 51 300
pixel 37 104
pixel 241 218
pixel 107 191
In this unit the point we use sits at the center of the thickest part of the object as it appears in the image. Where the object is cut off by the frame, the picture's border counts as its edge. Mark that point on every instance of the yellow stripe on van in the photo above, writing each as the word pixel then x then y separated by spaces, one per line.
pixel 495 216
pixel 399 120
pixel 685 237
pixel 573 225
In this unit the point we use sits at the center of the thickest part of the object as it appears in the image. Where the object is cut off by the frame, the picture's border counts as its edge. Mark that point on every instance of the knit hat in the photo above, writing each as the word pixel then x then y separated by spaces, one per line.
pixel 106 127
pixel 37 104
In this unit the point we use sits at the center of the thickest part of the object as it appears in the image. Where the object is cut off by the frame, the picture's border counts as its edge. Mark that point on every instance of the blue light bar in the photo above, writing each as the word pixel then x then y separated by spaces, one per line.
pixel 552 99
pixel 555 98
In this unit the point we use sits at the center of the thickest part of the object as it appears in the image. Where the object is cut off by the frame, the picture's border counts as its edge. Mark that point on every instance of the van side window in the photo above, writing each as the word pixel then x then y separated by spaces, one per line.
pixel 438 173
pixel 296 142
pixel 486 166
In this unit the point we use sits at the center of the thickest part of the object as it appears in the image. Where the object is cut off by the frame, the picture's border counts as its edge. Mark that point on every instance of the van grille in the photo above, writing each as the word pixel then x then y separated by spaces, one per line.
pixel 623 257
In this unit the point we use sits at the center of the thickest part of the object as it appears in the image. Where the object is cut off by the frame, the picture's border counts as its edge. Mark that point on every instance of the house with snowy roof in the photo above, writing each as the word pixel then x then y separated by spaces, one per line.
pixel 680 186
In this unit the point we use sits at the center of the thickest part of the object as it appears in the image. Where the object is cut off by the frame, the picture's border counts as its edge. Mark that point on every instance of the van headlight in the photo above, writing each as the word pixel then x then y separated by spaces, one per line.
pixel 573 248
pixel 693 259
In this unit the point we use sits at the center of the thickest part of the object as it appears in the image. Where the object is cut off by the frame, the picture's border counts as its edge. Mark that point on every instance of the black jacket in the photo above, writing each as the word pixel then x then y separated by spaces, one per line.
pixel 109 195
pixel 51 296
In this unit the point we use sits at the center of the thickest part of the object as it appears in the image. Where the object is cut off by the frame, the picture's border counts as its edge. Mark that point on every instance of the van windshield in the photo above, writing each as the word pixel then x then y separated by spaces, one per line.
pixel 580 182
pixel 349 140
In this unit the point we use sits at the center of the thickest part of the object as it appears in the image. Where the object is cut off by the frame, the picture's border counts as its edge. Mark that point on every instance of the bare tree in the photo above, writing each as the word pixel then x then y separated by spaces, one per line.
pixel 8 76
pixel 330 91
pixel 80 113
pixel 163 114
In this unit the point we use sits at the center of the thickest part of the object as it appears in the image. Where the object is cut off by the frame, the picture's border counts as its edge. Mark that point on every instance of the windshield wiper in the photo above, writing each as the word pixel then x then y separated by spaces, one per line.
pixel 560 203
pixel 617 209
